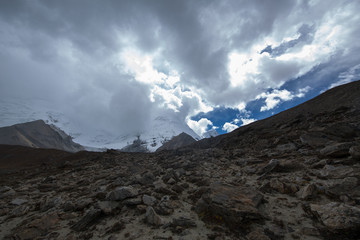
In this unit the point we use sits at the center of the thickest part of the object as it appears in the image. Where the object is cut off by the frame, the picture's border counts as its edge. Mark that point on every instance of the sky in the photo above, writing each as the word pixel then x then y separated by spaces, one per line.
pixel 213 64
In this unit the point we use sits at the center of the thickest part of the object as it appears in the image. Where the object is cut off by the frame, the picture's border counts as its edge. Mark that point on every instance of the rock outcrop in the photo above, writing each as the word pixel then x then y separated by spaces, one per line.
pixel 38 134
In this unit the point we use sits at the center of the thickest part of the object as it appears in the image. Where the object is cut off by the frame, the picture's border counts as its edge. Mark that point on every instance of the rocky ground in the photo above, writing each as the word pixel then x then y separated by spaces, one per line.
pixel 297 179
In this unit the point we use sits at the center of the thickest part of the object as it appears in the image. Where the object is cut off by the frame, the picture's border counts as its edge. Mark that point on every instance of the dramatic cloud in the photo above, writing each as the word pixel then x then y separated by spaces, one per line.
pixel 246 121
pixel 200 127
pixel 116 65
pixel 229 127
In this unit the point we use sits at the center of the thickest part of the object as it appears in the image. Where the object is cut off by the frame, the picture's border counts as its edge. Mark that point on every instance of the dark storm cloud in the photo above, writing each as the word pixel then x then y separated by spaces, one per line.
pixel 70 51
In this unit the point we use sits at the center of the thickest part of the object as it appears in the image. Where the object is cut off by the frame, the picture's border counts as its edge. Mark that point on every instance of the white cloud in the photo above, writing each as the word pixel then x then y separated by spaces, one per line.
pixel 229 127
pixel 302 91
pixel 350 75
pixel 246 121
pixel 201 126
pixel 273 99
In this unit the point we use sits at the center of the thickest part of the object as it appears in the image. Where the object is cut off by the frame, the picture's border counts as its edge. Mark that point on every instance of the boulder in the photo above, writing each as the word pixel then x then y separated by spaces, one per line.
pixel 287 147
pixel 236 206
pixel 121 193
pixel 336 172
pixel 315 139
pixel 347 186
pixel 336 150
pixel 338 217
pixel 18 201
pixel 148 200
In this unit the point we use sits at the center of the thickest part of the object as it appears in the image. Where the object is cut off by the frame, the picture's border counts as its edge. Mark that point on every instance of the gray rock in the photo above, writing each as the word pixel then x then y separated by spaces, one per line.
pixel 19 201
pixel 147 179
pixel 337 216
pixel 6 192
pixel 20 210
pixel 149 200
pixel 315 139
pixel 336 150
pixel 183 222
pixel 269 167
pixel 307 192
pixel 233 205
pixel 288 147
pixel 152 218
pixel 355 152
pixel 90 218
pixel 347 186
pixel 107 207
pixel 133 201
pixel 336 172
pixel 122 193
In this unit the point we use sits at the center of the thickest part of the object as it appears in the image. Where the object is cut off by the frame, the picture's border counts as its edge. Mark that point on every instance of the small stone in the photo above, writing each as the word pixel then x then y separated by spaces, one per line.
pixel 152 218
pixel 307 192
pixel 171 181
pixel 355 152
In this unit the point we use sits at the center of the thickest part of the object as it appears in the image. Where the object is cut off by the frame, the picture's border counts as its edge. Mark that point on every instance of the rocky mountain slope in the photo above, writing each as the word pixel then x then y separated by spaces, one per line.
pixel 38 134
pixel 293 176
pixel 176 142
pixel 161 128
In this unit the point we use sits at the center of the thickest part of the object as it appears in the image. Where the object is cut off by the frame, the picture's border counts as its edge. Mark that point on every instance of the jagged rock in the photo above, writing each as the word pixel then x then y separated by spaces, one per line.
pixel 257 235
pixel 20 210
pixel 107 207
pixel 234 205
pixel 166 206
pixel 149 200
pixel 288 147
pixel 315 139
pixel 152 218
pixel 118 226
pixel 342 130
pixel 307 192
pixel 349 186
pixel 338 217
pixel 132 201
pixel 336 150
pixel 146 179
pixel 122 193
pixel 38 227
pixel 269 167
pixel 50 203
pixel 339 171
pixel 90 218
pixel 171 181
pixel 6 191
pixel 355 152
pixel 19 201
pixel 183 222
pixel 277 185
